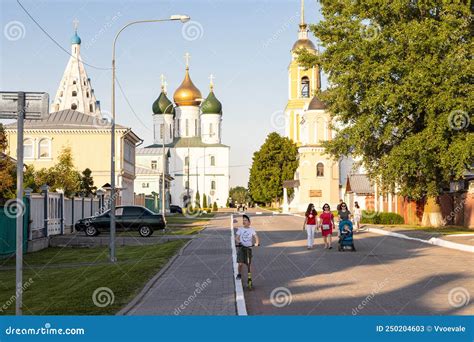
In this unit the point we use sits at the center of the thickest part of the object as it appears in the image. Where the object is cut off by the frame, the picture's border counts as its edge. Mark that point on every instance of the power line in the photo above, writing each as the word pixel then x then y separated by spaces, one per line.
pixel 54 40
pixel 129 104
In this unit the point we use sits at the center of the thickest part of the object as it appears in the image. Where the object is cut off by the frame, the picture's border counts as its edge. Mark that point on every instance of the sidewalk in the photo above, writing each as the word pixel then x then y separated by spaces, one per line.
pixel 199 281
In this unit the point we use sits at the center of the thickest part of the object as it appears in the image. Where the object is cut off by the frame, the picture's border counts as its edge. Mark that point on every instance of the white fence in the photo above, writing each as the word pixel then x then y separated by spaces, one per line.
pixel 52 214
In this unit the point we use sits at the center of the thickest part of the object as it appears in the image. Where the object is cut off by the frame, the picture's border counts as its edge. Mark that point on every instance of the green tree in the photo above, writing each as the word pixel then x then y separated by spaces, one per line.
pixel 204 201
pixel 239 194
pixel 198 199
pixel 7 169
pixel 274 162
pixel 87 182
pixel 401 85
pixel 214 207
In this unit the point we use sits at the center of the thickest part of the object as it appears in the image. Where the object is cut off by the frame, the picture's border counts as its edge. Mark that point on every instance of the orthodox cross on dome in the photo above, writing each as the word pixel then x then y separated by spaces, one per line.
pixel 75 22
pixel 302 13
pixel 187 57
pixel 211 82
pixel 163 81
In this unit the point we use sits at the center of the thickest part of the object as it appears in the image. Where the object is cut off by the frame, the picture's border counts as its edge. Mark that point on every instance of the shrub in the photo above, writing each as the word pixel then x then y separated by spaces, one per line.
pixel 370 217
pixel 214 207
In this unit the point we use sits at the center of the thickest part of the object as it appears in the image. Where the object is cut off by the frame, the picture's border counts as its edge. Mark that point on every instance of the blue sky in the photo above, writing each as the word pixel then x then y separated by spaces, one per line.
pixel 244 44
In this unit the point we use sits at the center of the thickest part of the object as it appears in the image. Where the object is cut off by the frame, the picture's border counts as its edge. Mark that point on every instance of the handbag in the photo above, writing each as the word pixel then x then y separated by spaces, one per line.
pixel 326 226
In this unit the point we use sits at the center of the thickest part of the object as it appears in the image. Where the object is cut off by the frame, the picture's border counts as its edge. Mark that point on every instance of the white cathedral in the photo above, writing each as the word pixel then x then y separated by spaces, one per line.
pixel 189 132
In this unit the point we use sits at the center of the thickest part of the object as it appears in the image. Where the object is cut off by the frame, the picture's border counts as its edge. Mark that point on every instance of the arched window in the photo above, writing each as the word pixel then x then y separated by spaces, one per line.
pixel 305 87
pixel 28 151
pixel 73 82
pixel 213 185
pixel 87 94
pixel 74 106
pixel 186 161
pixel 74 93
pixel 44 148
pixel 320 170
pixel 91 108
pixel 187 128
pixel 213 161
pixel 211 129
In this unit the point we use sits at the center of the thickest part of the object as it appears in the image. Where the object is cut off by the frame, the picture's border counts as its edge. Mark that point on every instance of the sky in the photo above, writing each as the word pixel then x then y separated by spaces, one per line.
pixel 244 44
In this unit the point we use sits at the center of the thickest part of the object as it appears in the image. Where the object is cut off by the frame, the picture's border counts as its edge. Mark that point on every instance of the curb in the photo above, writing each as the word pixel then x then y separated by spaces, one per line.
pixel 433 241
pixel 239 290
pixel 138 298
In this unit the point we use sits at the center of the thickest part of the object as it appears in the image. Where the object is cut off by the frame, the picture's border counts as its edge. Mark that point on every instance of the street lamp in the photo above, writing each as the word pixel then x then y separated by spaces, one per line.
pixel 176 17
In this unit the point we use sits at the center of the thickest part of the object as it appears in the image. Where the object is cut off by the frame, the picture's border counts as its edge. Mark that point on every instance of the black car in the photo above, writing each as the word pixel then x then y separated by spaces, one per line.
pixel 126 218
pixel 176 209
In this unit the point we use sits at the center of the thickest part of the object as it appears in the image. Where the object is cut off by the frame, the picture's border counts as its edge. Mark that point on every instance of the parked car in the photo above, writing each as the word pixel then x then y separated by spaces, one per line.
pixel 176 209
pixel 126 217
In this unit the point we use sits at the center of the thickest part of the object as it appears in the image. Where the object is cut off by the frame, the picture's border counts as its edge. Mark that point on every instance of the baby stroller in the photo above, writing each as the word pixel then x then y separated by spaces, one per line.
pixel 346 241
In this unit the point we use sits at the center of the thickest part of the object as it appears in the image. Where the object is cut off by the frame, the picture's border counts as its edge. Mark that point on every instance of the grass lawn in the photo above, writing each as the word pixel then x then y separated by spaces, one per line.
pixel 68 289
pixel 180 219
pixel 448 230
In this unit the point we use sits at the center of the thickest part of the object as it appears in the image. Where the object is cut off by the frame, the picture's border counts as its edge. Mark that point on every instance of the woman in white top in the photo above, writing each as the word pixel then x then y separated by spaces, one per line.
pixel 357 216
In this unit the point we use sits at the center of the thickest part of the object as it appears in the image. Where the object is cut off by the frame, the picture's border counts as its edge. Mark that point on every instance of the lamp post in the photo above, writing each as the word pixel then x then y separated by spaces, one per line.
pixel 183 19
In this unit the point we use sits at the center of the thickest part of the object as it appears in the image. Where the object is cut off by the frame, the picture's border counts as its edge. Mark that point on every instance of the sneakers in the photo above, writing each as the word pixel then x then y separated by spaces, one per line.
pixel 238 277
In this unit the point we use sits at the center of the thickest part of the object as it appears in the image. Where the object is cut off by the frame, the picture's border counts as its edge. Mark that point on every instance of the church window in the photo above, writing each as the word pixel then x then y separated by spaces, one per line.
pixel 74 93
pixel 171 131
pixel 61 93
pixel 213 161
pixel 73 82
pixel 28 148
pixel 154 164
pixel 305 87
pixel 211 129
pixel 186 161
pixel 87 94
pixel 213 185
pixel 91 108
pixel 320 170
pixel 162 131
pixel 74 106
pixel 187 127
pixel 195 127
pixel 44 148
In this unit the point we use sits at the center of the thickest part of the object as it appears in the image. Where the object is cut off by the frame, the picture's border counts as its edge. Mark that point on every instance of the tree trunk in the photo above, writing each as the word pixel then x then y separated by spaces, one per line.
pixel 432 214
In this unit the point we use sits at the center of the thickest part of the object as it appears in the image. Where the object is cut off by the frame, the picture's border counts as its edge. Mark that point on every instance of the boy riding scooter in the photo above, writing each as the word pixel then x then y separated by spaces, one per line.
pixel 244 239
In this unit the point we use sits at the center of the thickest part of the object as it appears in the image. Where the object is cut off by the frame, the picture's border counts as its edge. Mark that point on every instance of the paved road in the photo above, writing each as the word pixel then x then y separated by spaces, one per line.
pixel 199 281
pixel 386 276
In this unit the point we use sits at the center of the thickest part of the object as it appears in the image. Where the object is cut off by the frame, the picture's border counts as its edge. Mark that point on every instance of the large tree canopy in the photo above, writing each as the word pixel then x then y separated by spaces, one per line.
pixel 275 162
pixel 400 75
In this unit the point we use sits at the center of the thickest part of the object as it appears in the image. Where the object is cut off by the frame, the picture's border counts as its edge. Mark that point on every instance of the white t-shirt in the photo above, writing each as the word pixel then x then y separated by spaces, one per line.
pixel 246 236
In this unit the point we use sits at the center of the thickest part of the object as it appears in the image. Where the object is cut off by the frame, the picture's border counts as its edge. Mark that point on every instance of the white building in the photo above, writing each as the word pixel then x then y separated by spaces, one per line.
pixel 192 134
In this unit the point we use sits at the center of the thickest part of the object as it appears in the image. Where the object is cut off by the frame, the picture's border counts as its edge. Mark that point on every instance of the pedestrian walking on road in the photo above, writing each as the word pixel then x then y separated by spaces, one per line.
pixel 310 224
pixel 326 224
pixel 244 239
pixel 344 213
pixel 339 205
pixel 357 216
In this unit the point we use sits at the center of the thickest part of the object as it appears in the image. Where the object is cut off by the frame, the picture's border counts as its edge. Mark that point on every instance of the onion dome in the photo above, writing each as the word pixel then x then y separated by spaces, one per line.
pixel 187 93
pixel 211 105
pixel 75 38
pixel 163 105
pixel 316 104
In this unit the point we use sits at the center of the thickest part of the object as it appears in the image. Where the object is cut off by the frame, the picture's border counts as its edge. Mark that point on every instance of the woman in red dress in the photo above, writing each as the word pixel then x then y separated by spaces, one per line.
pixel 326 225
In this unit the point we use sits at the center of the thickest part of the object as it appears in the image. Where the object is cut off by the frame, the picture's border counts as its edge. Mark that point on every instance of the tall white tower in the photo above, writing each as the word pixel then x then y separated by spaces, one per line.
pixel 211 117
pixel 163 117
pixel 75 90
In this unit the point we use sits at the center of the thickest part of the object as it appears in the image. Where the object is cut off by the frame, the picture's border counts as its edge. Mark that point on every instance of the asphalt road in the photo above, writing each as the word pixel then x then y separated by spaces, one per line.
pixel 386 276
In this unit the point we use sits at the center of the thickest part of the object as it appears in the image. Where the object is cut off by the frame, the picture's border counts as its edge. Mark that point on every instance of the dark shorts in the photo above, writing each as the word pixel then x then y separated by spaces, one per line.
pixel 244 254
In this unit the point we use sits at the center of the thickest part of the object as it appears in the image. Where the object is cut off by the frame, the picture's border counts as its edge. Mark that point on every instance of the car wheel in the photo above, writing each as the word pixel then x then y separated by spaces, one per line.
pixel 91 231
pixel 145 231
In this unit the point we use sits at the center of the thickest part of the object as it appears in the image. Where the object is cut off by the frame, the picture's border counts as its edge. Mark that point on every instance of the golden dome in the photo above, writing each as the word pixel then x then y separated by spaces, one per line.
pixel 305 44
pixel 187 93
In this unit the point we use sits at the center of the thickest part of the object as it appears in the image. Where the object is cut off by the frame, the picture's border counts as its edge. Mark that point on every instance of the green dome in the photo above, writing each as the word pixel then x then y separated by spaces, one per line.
pixel 75 39
pixel 211 105
pixel 163 105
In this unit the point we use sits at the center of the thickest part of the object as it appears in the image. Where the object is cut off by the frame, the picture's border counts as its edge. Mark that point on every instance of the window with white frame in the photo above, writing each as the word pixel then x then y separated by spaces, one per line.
pixel 44 148
pixel 154 164
pixel 213 161
pixel 213 185
pixel 28 148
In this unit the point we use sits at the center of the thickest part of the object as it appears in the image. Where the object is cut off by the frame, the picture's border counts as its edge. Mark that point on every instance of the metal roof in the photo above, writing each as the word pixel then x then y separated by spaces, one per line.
pixel 359 184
